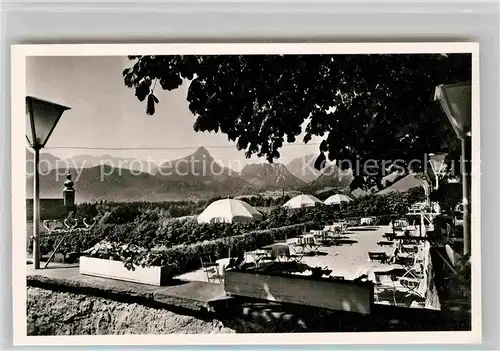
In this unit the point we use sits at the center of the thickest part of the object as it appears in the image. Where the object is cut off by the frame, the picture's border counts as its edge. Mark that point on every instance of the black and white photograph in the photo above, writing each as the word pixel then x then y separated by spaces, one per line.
pixel 312 190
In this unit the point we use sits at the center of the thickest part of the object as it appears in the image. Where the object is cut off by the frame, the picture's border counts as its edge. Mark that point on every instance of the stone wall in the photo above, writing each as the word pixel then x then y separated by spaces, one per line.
pixel 62 313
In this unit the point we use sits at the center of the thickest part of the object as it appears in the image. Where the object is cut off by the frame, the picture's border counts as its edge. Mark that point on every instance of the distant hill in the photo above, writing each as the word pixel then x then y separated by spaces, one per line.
pixel 47 162
pixel 89 161
pixel 193 177
pixel 114 184
pixel 391 178
pixel 303 168
pixel 328 191
pixel 270 176
pixel 199 164
pixel 359 193
pixel 102 183
pixel 408 182
pixel 201 168
pixel 334 177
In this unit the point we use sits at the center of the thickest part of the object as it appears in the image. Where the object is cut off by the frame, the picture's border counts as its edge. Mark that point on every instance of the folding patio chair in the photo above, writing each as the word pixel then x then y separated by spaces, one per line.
pixel 344 227
pixel 412 278
pixel 385 281
pixel 211 270
pixel 306 246
pixel 296 255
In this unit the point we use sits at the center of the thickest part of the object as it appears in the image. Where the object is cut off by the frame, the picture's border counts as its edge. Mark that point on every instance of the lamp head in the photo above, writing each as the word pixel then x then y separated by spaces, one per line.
pixel 455 99
pixel 41 119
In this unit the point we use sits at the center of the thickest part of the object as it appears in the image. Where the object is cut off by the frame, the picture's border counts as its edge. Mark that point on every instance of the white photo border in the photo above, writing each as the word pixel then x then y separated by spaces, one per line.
pixel 19 53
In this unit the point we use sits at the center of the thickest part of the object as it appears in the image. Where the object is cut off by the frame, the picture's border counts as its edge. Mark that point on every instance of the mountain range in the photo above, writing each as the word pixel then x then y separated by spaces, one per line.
pixel 329 176
pixel 303 168
pixel 196 176
pixel 270 176
pixel 46 163
pixel 89 161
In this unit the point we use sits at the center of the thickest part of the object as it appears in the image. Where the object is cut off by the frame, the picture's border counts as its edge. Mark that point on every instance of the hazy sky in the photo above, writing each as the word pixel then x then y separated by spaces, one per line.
pixel 105 113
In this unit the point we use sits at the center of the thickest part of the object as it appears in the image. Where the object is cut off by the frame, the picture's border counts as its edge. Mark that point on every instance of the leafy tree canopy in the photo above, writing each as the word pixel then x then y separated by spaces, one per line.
pixel 366 107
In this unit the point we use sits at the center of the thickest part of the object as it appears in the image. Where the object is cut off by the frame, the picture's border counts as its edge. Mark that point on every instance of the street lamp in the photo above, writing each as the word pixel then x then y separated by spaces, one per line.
pixel 41 119
pixel 455 99
pixel 436 160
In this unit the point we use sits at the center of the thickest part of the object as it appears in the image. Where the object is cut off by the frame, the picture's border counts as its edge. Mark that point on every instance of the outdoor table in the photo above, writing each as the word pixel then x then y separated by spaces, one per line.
pixel 278 250
pixel 376 269
pixel 258 255
pixel 378 256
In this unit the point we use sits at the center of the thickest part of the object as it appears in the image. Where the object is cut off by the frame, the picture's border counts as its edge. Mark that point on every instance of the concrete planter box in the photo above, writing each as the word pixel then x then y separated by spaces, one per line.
pixel 339 295
pixel 99 267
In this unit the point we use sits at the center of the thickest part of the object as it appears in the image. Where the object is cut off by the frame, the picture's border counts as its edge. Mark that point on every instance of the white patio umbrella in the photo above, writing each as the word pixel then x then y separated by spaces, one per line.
pixel 229 211
pixel 302 201
pixel 337 199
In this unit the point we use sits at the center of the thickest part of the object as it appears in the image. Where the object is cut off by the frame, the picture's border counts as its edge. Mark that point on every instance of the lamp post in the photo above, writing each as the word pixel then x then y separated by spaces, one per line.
pixel 455 99
pixel 41 119
pixel 436 161
pixel 427 191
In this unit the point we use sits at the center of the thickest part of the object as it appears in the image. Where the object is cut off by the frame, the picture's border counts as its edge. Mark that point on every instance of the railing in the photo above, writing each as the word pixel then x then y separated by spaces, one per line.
pixel 69 226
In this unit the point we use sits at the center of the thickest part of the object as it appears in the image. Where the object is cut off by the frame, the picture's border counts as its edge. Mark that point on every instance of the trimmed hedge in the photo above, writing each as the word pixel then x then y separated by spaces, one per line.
pixel 152 234
pixel 187 257
pixel 150 228
pixel 384 207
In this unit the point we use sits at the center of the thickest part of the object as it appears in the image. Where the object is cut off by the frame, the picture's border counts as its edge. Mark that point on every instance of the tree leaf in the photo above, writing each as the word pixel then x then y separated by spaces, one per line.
pixel 376 106
pixel 320 162
pixel 150 110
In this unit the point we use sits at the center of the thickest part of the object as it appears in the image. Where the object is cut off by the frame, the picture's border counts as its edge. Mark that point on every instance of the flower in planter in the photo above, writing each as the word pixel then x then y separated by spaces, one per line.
pixel 131 255
pixel 319 272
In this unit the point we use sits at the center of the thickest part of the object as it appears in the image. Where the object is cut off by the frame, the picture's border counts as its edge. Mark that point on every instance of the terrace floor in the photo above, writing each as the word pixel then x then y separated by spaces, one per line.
pixel 188 295
pixel 349 260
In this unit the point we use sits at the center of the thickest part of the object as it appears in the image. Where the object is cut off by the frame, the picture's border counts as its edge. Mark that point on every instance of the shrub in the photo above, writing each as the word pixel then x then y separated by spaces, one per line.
pixel 130 255
pixel 149 234
pixel 187 257
pixel 150 224
pixel 385 207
